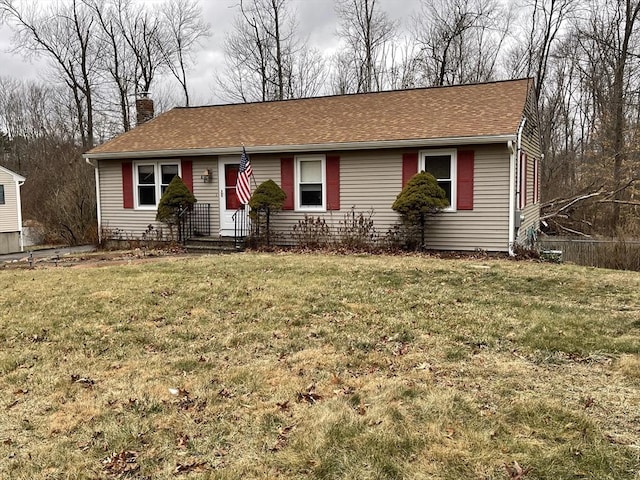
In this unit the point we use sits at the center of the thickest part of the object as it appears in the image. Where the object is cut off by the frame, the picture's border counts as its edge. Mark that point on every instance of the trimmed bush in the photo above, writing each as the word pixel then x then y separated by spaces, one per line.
pixel 174 199
pixel 267 198
pixel 420 198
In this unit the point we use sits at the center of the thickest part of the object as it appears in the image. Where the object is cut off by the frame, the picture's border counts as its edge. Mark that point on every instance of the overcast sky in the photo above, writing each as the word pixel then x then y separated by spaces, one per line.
pixel 316 18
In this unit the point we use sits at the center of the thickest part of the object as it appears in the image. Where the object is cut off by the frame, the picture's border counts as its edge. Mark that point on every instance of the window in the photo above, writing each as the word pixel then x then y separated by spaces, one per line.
pixel 1 194
pixel 151 180
pixel 310 187
pixel 442 165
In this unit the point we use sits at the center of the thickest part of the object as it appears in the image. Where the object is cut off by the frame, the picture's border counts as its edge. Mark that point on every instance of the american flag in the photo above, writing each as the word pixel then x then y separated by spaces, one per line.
pixel 243 187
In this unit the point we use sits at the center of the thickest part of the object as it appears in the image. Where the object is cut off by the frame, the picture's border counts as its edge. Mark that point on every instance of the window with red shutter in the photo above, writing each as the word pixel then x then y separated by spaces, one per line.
pixel 311 182
pixel 144 182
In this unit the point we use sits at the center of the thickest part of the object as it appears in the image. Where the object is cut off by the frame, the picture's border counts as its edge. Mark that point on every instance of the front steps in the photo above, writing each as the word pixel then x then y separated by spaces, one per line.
pixel 212 245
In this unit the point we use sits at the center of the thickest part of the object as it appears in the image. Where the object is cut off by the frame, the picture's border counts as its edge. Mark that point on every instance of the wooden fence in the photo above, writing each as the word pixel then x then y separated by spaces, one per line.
pixel 620 254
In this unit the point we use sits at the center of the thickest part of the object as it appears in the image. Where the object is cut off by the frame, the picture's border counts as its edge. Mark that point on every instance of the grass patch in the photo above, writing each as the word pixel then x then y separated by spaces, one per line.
pixel 319 366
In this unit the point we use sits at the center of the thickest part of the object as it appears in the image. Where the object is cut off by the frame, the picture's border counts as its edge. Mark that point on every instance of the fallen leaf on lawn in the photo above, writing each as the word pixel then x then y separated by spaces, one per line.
pixel 121 463
pixel 401 349
pixel 194 466
pixel 310 396
pixel 283 438
pixel 224 393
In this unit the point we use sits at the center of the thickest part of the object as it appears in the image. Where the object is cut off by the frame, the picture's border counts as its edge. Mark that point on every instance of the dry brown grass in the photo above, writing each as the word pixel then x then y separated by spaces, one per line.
pixel 320 366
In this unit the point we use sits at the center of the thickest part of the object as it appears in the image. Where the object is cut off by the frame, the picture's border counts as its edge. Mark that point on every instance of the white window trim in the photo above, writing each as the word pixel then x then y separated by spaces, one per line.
pixel 323 168
pixel 454 172
pixel 157 178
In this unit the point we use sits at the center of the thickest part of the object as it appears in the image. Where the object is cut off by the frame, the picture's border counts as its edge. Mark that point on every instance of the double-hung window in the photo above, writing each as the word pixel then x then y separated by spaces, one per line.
pixel 151 180
pixel 2 201
pixel 442 165
pixel 311 190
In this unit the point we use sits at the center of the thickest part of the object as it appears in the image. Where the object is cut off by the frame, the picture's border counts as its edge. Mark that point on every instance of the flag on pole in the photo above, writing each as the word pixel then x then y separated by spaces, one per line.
pixel 243 186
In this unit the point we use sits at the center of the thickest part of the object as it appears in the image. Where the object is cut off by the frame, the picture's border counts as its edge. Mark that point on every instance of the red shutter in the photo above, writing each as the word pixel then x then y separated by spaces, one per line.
pixel 187 174
pixel 523 180
pixel 333 182
pixel 127 185
pixel 286 182
pixel 536 181
pixel 465 180
pixel 409 167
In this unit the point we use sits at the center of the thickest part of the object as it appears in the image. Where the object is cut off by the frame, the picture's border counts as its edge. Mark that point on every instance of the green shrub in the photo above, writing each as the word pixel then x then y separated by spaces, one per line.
pixel 267 198
pixel 174 199
pixel 419 199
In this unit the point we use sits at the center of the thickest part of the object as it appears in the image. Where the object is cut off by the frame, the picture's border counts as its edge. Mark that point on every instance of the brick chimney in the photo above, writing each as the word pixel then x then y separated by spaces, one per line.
pixel 144 108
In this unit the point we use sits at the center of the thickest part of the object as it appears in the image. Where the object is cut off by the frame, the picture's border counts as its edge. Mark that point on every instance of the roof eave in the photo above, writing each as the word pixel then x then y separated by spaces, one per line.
pixel 17 177
pixel 311 147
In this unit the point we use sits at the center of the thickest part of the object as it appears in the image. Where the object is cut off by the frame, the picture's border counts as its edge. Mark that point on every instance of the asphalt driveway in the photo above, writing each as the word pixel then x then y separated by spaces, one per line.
pixel 46 253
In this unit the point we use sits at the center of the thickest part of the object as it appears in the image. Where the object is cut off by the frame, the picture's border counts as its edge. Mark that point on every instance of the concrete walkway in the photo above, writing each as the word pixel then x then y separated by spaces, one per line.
pixel 46 253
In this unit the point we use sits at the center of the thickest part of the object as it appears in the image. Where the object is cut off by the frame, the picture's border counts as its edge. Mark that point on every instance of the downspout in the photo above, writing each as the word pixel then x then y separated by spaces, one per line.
pixel 19 202
pixel 98 206
pixel 513 186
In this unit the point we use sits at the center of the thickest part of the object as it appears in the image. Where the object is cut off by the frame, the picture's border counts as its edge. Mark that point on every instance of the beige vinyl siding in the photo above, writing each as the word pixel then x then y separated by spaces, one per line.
pixel 118 222
pixel 130 223
pixel 486 227
pixel 9 210
pixel 531 145
pixel 208 192
pixel 370 182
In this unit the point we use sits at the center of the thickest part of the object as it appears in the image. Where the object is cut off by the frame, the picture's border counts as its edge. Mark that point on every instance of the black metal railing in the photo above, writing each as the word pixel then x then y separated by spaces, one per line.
pixel 241 225
pixel 194 221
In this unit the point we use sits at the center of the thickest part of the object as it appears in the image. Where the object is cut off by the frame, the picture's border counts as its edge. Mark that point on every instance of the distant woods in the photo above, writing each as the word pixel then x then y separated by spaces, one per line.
pixel 584 56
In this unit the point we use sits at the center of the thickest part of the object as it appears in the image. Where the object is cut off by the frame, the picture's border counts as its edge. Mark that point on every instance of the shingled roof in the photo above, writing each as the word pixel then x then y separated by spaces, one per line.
pixel 374 119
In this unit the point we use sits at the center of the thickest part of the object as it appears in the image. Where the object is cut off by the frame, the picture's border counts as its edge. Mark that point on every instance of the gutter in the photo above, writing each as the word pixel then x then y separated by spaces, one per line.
pixel 98 206
pixel 313 147
pixel 513 195
pixel 19 184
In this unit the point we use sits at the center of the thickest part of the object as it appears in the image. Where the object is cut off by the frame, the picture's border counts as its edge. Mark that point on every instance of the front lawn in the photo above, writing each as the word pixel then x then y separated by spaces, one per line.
pixel 320 366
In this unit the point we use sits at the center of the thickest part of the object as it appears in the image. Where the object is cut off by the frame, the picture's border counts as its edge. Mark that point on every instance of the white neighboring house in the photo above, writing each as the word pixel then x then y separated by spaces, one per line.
pixel 10 211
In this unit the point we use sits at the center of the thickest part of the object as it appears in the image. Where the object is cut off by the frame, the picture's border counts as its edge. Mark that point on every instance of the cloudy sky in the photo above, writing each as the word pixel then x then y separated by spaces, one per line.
pixel 317 18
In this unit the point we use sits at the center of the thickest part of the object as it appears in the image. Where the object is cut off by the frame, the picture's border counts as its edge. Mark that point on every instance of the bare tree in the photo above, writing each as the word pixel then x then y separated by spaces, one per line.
pixel 116 61
pixel 610 43
pixel 545 21
pixel 265 58
pixel 59 192
pixel 183 29
pixel 142 32
pixel 368 35
pixel 459 40
pixel 62 33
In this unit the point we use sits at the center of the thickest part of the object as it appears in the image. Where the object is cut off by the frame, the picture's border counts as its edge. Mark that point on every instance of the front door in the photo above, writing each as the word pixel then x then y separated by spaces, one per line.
pixel 229 203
